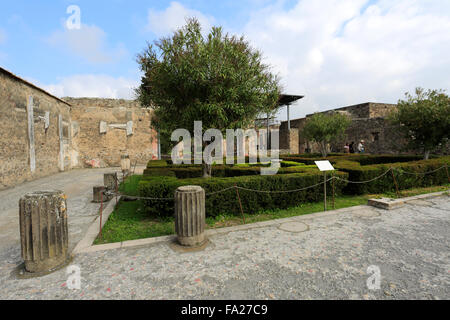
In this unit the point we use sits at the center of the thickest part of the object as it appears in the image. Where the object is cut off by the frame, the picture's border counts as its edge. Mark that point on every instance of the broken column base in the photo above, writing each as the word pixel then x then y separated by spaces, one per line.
pixel 100 194
pixel 386 203
pixel 21 271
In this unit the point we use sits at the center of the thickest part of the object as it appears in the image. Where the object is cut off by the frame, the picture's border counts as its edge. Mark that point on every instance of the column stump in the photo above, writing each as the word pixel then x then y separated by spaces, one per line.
pixel 44 234
pixel 110 180
pixel 190 216
pixel 101 194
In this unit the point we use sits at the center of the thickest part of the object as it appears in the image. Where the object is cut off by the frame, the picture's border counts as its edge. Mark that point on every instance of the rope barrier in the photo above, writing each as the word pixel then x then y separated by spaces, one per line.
pixel 367 181
pixel 419 173
pixel 285 191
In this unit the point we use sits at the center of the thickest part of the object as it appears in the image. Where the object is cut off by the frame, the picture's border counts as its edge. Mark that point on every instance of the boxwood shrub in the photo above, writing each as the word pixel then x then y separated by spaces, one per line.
pixel 227 203
pixel 404 179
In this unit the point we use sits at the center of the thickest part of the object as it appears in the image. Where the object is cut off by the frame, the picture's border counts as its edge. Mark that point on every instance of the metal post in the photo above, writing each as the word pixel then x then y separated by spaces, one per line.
pixel 325 190
pixel 395 183
pixel 101 212
pixel 268 133
pixel 240 204
pixel 332 182
pixel 159 146
pixel 117 186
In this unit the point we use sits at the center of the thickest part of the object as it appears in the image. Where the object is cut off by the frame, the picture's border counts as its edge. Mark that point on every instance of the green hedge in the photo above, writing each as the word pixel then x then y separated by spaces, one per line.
pixel 186 172
pixel 386 183
pixel 226 202
pixel 156 163
pixel 363 159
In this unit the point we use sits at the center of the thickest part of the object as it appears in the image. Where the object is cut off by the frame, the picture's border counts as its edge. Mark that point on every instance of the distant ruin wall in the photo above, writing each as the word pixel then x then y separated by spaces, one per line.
pixel 104 129
pixel 30 141
pixel 369 123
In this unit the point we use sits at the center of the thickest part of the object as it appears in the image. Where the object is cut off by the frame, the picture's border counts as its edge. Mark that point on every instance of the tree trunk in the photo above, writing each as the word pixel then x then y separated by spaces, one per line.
pixel 426 155
pixel 323 149
pixel 207 170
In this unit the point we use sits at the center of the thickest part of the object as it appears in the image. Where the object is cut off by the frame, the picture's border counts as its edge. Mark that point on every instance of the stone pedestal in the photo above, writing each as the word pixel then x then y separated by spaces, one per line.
pixel 110 180
pixel 190 215
pixel 99 194
pixel 43 230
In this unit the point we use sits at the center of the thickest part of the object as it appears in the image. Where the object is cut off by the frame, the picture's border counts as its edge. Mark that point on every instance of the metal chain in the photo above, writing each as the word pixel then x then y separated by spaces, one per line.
pixel 418 173
pixel 284 191
pixel 348 181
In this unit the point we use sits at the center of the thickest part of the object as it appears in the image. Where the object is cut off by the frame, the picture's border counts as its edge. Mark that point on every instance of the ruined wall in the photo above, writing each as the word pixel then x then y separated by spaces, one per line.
pixel 369 123
pixel 100 133
pixel 23 112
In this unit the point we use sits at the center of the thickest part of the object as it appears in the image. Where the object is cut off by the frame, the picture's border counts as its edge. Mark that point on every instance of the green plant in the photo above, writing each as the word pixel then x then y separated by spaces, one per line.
pixel 424 119
pixel 226 202
pixel 218 79
pixel 325 128
pixel 407 175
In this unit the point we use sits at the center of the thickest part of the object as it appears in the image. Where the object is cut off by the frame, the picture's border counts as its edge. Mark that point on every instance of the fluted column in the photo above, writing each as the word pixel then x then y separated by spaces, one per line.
pixel 190 215
pixel 43 230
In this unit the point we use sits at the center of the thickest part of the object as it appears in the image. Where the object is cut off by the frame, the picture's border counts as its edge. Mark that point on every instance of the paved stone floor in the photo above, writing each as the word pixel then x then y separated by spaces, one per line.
pixel 327 259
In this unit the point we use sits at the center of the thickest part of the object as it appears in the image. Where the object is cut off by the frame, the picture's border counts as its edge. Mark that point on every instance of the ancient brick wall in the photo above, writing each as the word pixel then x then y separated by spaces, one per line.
pixel 105 147
pixel 369 123
pixel 18 163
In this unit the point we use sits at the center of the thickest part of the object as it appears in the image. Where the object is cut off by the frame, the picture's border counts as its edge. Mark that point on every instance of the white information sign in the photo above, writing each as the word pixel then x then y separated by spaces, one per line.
pixel 324 165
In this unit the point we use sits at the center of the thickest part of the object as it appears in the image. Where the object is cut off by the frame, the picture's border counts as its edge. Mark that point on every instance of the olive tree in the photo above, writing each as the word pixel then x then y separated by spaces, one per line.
pixel 424 119
pixel 218 79
pixel 325 128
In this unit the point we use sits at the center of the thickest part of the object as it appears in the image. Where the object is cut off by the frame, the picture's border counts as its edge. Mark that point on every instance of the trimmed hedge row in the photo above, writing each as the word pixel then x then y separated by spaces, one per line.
pixel 226 202
pixel 363 159
pixel 186 171
pixel 403 176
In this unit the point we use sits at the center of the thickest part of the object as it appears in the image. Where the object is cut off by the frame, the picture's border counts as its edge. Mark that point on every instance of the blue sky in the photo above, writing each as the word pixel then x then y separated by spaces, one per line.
pixel 335 52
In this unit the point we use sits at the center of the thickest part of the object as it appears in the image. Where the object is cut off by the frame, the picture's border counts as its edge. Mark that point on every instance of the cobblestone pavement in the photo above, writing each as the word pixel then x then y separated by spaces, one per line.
pixel 328 260
pixel 77 185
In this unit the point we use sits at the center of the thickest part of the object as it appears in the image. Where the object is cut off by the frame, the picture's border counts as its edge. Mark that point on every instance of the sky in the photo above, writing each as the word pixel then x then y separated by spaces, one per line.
pixel 334 52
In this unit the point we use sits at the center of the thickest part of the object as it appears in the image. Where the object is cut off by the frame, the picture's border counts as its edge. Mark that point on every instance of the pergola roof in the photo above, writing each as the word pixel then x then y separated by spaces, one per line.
pixel 286 99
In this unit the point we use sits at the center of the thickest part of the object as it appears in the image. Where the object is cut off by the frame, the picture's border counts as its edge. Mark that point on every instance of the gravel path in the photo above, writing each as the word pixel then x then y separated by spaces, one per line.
pixel 328 260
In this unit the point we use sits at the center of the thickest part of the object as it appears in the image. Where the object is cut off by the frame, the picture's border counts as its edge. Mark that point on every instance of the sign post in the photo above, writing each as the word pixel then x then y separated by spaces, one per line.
pixel 324 166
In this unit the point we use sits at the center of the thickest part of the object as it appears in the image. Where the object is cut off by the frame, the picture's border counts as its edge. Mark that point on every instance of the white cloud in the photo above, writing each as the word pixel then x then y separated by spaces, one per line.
pixel 88 42
pixel 336 53
pixel 162 23
pixel 93 85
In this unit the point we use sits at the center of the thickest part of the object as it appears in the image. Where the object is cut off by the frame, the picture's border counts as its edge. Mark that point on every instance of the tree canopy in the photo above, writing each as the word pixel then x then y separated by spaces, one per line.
pixel 325 128
pixel 217 79
pixel 424 119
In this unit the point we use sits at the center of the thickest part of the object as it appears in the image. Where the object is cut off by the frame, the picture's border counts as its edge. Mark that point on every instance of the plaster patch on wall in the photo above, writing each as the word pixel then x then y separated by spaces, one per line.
pixel 46 120
pixel 129 128
pixel 31 134
pixel 103 127
pixel 61 143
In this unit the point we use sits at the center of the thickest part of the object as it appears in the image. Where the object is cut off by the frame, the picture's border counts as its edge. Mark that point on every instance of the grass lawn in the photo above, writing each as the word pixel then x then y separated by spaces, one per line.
pixel 130 222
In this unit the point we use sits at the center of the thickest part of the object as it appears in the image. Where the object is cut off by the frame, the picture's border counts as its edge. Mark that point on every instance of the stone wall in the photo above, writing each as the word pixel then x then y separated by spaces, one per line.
pixel 31 121
pixel 103 129
pixel 369 123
